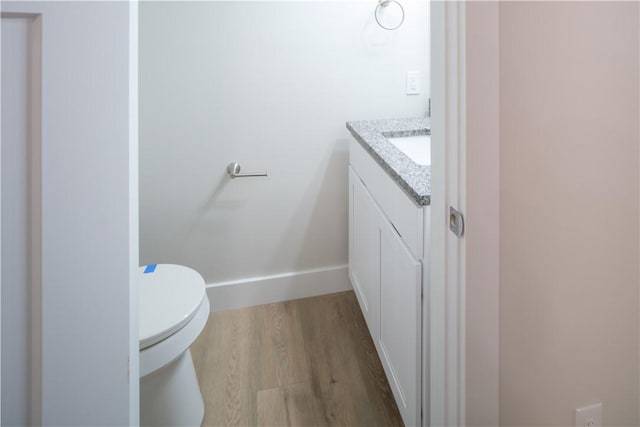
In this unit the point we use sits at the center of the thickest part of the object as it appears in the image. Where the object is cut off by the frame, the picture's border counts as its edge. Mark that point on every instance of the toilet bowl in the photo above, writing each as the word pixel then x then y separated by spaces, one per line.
pixel 173 311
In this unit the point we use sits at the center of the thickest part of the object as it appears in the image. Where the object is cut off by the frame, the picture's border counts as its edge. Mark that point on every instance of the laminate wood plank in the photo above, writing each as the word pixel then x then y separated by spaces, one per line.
pixel 272 408
pixel 317 355
pixel 371 370
pixel 304 408
pixel 292 405
pixel 228 373
pixel 335 373
pixel 283 356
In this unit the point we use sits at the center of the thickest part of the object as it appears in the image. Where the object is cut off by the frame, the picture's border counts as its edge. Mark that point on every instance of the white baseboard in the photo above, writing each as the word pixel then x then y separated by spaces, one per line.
pixel 277 287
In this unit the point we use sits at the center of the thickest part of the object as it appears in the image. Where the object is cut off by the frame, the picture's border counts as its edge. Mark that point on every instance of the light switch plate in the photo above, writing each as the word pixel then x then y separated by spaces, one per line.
pixel 589 416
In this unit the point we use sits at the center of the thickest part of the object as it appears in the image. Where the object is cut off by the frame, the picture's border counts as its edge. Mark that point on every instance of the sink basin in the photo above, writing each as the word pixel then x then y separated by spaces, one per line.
pixel 416 147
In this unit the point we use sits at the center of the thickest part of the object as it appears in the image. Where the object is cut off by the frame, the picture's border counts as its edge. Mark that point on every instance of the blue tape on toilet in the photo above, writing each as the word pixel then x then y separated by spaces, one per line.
pixel 150 268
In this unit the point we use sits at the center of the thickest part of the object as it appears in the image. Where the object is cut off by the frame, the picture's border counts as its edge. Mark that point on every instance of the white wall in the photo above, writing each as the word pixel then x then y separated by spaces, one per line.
pixel 86 209
pixel 270 85
pixel 569 85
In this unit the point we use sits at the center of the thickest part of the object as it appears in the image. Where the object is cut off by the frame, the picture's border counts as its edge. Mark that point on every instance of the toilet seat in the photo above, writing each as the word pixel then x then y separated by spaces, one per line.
pixel 174 309
pixel 166 351
pixel 170 295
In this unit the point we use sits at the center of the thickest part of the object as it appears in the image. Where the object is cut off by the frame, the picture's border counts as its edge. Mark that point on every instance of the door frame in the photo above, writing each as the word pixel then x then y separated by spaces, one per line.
pixel 464 272
pixel 134 214
pixel 447 189
pixel 33 288
pixel 50 20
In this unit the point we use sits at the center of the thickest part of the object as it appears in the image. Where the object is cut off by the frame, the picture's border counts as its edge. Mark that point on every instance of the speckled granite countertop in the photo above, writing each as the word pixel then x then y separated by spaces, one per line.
pixel 414 179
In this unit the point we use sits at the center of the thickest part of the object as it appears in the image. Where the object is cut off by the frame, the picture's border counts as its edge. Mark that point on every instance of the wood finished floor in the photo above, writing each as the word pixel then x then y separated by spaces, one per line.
pixel 295 363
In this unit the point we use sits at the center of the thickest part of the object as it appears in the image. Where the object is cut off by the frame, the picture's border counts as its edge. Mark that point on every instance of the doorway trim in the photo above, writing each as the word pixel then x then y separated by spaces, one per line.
pixel 464 292
pixel 447 278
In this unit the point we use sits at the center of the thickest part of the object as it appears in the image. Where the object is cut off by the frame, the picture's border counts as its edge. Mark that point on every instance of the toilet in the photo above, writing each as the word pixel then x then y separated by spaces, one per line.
pixel 173 311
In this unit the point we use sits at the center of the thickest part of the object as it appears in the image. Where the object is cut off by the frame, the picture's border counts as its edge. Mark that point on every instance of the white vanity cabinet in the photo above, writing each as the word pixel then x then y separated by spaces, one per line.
pixel 386 270
pixel 364 251
pixel 399 343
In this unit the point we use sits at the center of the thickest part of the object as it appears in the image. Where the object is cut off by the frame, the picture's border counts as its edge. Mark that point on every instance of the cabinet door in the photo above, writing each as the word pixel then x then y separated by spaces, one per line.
pixel 400 323
pixel 364 251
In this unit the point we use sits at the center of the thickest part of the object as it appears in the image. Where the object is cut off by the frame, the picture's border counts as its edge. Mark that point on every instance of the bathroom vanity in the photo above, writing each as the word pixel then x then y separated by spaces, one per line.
pixel 389 197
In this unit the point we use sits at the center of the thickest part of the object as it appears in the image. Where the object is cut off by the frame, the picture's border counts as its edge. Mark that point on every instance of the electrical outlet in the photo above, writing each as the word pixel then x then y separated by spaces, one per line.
pixel 413 82
pixel 589 416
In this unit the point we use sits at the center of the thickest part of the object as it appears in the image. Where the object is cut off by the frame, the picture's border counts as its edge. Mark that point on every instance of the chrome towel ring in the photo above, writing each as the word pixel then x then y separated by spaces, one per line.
pixel 382 4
